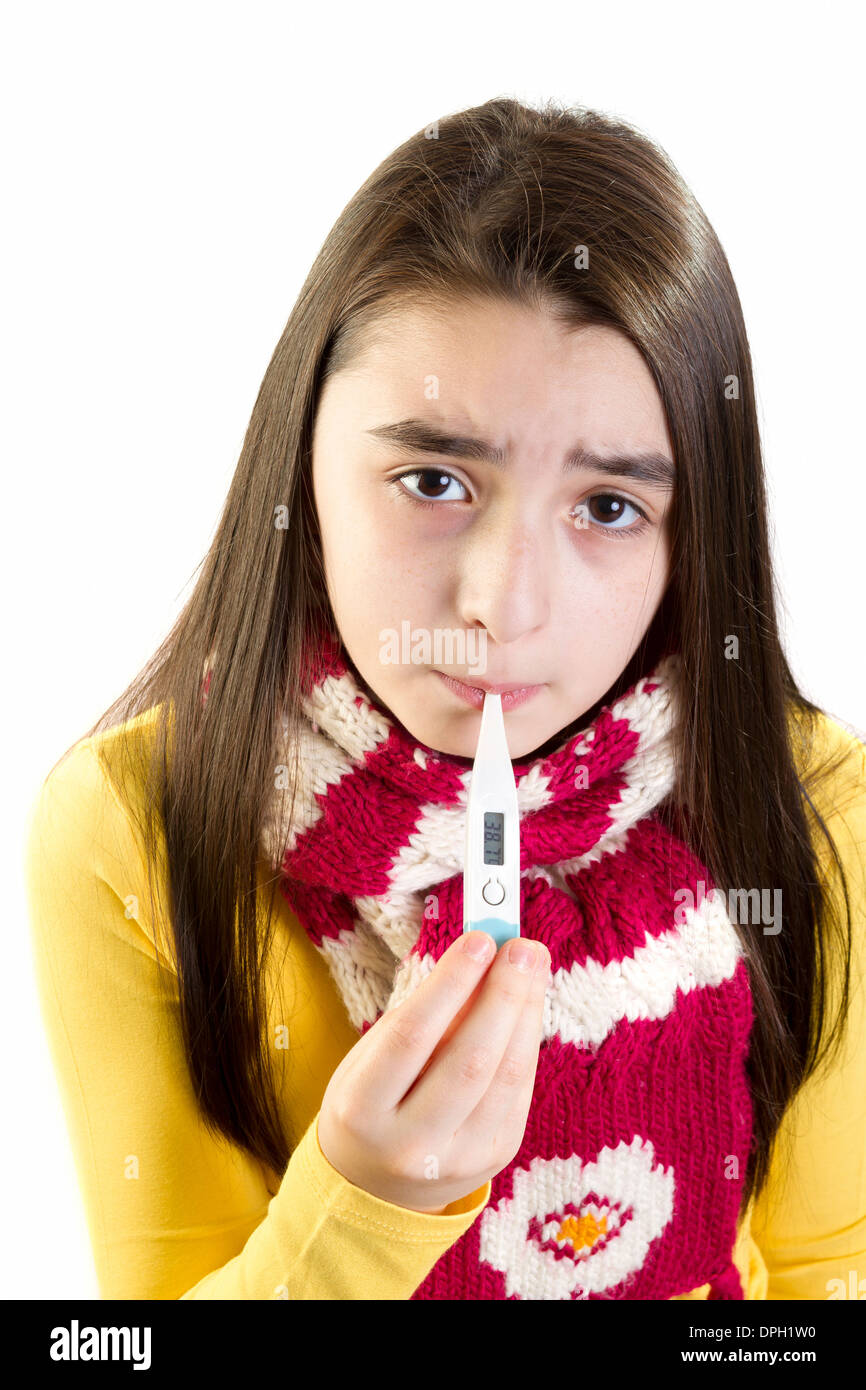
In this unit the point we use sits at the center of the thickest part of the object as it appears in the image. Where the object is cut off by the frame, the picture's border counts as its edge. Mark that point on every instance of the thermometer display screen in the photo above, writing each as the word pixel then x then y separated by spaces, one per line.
pixel 494 822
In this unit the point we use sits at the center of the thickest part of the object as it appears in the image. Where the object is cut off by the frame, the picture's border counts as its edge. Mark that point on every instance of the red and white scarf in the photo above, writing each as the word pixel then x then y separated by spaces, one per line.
pixel 629 1178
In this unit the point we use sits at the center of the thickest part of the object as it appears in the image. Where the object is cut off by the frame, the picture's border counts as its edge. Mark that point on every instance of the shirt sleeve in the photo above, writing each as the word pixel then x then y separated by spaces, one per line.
pixel 174 1212
pixel 810 1220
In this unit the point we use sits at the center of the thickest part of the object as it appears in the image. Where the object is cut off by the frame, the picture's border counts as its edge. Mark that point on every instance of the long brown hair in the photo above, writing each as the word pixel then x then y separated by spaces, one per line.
pixel 583 217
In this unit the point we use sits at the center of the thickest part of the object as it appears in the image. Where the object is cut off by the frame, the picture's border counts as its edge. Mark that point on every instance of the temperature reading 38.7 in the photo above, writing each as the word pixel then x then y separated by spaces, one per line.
pixel 494 822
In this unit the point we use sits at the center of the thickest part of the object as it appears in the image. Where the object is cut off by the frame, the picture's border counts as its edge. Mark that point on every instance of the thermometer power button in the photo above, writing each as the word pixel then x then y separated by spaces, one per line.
pixel 493 892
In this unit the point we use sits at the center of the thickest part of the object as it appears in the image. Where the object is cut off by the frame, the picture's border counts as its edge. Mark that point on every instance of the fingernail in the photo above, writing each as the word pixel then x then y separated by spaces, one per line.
pixel 477 944
pixel 523 955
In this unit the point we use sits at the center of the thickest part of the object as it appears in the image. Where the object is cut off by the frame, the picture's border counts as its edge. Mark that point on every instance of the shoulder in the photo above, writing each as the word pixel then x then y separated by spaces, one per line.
pixel 83 843
pixel 97 782
pixel 830 757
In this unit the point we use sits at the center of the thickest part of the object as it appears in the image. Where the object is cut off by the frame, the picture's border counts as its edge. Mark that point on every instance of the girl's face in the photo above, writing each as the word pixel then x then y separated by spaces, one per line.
pixel 492 578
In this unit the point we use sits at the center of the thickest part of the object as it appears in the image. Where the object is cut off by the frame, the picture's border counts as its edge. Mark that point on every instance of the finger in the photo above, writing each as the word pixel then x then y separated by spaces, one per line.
pixel 455 1023
pixel 466 1065
pixel 505 1104
pixel 403 1040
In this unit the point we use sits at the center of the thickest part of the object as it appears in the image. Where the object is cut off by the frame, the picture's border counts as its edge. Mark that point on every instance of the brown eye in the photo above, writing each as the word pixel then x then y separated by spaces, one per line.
pixel 606 510
pixel 434 478
pixel 431 478
pixel 613 507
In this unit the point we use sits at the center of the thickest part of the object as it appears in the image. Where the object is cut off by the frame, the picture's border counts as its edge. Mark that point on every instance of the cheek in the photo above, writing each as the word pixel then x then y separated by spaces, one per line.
pixel 659 567
pixel 624 574
pixel 351 537
pixel 647 572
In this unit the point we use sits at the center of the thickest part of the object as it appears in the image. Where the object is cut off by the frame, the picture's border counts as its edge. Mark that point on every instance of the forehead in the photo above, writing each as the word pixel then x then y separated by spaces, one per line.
pixel 507 372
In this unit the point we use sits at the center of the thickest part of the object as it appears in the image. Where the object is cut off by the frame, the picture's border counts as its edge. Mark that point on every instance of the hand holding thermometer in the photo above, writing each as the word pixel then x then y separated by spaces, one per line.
pixel 491 872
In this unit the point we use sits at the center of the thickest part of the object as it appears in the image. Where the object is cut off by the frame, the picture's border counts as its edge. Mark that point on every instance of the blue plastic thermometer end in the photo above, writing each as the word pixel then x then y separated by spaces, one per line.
pixel 495 927
pixel 491 870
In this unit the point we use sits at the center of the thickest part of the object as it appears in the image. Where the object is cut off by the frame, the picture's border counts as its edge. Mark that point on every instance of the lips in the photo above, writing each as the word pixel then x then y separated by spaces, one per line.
pixel 497 689
pixel 511 695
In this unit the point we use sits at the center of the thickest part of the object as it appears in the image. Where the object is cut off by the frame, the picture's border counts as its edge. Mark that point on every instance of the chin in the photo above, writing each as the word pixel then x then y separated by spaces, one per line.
pixel 521 744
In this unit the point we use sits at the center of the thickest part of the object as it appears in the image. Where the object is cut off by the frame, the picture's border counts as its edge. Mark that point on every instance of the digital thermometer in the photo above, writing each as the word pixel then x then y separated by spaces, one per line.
pixel 491 871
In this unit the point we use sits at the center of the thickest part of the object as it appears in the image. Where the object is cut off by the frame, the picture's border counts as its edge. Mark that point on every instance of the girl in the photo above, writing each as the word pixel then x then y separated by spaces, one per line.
pixel 507 438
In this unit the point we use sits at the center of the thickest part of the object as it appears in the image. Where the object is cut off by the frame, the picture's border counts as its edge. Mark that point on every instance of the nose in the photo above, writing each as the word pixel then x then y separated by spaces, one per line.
pixel 504 583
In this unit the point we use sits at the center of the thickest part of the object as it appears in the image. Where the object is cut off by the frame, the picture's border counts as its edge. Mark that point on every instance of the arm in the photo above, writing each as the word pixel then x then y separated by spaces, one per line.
pixel 810 1220
pixel 174 1213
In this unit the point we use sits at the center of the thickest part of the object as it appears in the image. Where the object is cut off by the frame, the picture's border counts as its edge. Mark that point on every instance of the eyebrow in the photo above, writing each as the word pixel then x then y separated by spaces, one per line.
pixel 653 468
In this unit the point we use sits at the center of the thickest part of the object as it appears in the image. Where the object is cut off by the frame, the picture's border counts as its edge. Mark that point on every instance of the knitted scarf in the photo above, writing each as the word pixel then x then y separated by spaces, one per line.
pixel 629 1178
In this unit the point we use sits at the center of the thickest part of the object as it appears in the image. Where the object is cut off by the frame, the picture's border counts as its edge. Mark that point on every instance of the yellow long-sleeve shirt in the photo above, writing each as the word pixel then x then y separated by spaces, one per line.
pixel 175 1213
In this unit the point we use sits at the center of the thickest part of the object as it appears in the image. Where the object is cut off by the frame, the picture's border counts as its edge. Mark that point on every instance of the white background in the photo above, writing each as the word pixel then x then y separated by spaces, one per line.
pixel 170 171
